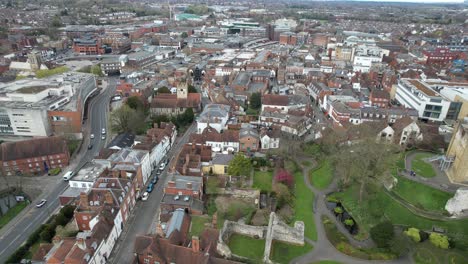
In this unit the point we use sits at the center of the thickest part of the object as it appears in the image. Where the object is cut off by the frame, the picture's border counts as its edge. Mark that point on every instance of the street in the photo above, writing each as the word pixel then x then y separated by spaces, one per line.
pixel 143 218
pixel 19 229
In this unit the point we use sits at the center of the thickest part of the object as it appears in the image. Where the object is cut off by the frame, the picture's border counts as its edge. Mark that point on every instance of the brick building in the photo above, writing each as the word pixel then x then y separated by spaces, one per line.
pixel 379 98
pixel 34 156
pixel 440 56
pixel 88 45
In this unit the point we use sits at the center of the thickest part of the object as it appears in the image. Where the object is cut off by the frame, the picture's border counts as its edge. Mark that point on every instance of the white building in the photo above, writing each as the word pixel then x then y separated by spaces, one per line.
pixel 131 159
pixel 87 175
pixel 215 116
pixel 418 95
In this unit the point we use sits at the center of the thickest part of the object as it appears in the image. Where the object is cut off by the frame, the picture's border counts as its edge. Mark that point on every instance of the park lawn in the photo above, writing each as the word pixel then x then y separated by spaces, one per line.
pixel 421 167
pixel 426 253
pixel 10 214
pixel 46 73
pixel 303 206
pixel 284 253
pixel 421 195
pixel 247 247
pixel 327 262
pixel 381 206
pixel 322 176
pixel 262 180
pixel 198 224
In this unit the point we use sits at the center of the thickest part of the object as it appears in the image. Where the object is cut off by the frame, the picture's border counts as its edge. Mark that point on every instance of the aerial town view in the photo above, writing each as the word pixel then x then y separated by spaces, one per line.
pixel 224 132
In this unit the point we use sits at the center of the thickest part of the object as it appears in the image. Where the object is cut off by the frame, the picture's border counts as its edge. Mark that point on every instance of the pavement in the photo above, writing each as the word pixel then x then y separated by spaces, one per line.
pixel 145 215
pixel 15 233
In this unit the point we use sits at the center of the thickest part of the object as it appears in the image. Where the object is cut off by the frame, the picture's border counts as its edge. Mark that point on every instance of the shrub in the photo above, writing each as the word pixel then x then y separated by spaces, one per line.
pixel 349 222
pixel 439 240
pixel 338 210
pixel 61 219
pixel 48 233
pixel 382 234
pixel 55 171
pixel 68 211
pixel 413 233
pixel 285 177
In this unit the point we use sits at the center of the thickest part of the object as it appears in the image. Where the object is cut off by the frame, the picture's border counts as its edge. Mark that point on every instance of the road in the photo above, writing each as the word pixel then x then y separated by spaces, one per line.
pixel 143 218
pixel 19 229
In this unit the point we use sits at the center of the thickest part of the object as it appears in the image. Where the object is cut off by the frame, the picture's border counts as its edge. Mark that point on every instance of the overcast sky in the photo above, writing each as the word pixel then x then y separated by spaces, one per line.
pixel 419 1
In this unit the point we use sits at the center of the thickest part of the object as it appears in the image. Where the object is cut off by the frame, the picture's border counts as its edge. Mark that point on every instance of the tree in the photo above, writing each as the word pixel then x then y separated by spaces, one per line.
pixel 48 233
pixel 382 234
pixel 135 103
pixel 239 165
pixel 283 176
pixel 184 35
pixel 56 22
pixel 188 116
pixel 120 118
pixel 413 233
pixel 283 194
pixel 163 89
pixel 255 101
pixel 349 222
pixel 365 163
pixel 68 211
pixel 96 70
pixel 192 89
pixel 439 240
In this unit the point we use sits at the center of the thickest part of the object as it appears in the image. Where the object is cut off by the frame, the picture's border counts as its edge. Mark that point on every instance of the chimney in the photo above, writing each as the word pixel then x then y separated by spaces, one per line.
pixel 84 200
pixel 56 239
pixel 81 243
pixel 189 185
pixel 109 198
pixel 159 230
pixel 195 244
pixel 171 184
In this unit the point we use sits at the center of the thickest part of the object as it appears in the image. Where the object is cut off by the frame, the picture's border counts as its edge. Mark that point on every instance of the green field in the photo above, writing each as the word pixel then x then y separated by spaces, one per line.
pixel 426 253
pixel 284 253
pixel 322 176
pixel 381 206
pixel 262 180
pixel 421 167
pixel 247 247
pixel 303 206
pixel 421 195
pixel 10 214
pixel 198 224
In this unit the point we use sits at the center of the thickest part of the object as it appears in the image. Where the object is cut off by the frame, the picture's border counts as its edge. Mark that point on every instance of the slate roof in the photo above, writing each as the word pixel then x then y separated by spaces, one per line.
pixel 171 101
pixel 274 99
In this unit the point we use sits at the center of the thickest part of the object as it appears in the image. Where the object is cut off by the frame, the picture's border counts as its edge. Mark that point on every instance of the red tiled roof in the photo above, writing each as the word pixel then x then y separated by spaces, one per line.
pixel 274 99
pixel 171 101
pixel 33 148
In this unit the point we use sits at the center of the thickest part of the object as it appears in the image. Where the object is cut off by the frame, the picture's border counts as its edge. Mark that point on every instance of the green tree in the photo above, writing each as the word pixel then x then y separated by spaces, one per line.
pixel 135 103
pixel 382 234
pixel 239 165
pixel 255 101
pixel 163 89
pixel 413 233
pixel 56 22
pixel 349 222
pixel 96 70
pixel 184 35
pixel 439 240
pixel 188 116
pixel 48 233
pixel 192 89
pixel 126 119
pixel 68 211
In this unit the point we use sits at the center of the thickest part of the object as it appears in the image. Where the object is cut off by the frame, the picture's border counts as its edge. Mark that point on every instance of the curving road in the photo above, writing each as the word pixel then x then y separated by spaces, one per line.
pixel 18 230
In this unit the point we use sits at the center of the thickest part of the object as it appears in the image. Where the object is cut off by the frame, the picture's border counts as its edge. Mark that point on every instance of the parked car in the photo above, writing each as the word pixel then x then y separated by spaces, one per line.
pixel 145 196
pixel 155 180
pixel 150 187
pixel 92 136
pixel 162 166
pixel 90 146
pixel 41 203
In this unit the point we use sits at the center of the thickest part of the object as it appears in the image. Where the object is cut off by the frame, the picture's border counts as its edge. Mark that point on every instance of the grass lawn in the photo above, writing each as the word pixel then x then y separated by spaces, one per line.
pixel 322 176
pixel 312 149
pixel 303 206
pixel 341 243
pixel 381 206
pixel 262 180
pixel 12 213
pixel 426 253
pixel 198 224
pixel 421 167
pixel 284 253
pixel 247 247
pixel 421 195
pixel 327 262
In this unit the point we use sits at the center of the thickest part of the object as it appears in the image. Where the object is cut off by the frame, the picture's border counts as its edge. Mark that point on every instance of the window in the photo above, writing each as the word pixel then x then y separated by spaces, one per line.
pixel 85 217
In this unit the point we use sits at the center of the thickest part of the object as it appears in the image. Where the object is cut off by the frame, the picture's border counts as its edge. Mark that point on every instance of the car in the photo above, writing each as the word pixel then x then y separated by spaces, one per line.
pixel 103 137
pixel 150 187
pixel 90 146
pixel 162 166
pixel 155 180
pixel 144 197
pixel 92 136
pixel 41 203
pixel 103 131
pixel 158 172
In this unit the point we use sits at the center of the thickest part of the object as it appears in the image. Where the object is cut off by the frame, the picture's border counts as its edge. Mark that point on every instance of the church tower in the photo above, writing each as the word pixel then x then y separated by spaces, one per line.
pixel 182 90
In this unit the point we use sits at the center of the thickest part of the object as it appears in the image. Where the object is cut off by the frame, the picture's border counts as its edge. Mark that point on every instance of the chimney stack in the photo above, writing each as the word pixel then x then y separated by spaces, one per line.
pixel 84 200
pixel 159 230
pixel 81 243
pixel 195 244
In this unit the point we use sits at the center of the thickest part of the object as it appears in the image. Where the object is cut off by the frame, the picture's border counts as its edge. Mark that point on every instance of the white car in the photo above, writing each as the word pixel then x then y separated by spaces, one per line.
pixel 162 166
pixel 103 137
pixel 92 136
pixel 103 131
pixel 145 196
pixel 41 203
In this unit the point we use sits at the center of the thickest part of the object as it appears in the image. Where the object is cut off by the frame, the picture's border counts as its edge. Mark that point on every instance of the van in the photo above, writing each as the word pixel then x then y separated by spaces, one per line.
pixel 67 176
